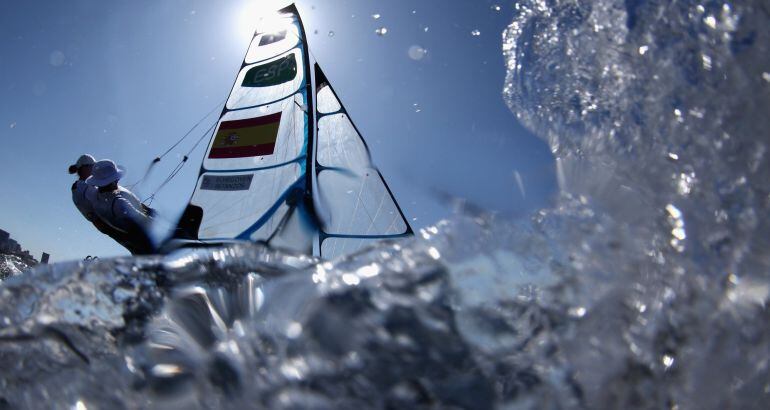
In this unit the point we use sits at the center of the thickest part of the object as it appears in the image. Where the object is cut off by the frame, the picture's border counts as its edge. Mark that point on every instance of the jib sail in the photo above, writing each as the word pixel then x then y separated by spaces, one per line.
pixel 352 198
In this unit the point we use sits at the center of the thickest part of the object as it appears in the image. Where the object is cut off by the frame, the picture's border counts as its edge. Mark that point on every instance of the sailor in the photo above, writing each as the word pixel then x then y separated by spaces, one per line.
pixel 120 209
pixel 83 195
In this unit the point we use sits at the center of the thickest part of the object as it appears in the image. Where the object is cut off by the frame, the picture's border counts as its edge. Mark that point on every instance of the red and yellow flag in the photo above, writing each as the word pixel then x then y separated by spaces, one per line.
pixel 246 138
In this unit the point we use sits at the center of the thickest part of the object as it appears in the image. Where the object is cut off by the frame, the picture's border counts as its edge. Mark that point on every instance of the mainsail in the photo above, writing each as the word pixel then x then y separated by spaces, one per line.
pixel 265 178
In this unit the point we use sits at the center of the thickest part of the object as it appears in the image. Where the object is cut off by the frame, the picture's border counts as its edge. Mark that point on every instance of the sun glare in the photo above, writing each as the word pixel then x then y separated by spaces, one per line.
pixel 262 15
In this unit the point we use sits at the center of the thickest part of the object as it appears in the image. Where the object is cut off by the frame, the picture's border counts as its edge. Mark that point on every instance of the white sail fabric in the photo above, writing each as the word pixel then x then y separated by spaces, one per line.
pixel 246 96
pixel 334 247
pixel 339 144
pixel 255 166
pixel 280 35
pixel 359 204
pixel 360 208
pixel 254 182
pixel 289 142
pixel 234 202
pixel 327 102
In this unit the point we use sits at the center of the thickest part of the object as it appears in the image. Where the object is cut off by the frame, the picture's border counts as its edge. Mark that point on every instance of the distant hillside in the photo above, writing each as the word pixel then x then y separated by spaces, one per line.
pixel 12 265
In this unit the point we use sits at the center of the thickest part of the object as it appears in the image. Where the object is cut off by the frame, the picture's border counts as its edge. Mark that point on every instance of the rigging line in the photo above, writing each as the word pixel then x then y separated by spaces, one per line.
pixel 179 141
pixel 191 129
pixel 353 214
pixel 181 163
pixel 173 173
pixel 376 214
pixel 396 217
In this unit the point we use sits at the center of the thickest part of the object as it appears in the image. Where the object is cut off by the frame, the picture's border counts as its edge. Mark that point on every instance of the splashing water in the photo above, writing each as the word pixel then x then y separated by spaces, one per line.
pixel 11 265
pixel 644 286
pixel 654 115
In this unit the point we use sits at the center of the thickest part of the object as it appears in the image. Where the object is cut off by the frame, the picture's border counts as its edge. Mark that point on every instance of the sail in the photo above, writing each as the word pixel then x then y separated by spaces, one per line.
pixel 351 198
pixel 265 176
pixel 254 173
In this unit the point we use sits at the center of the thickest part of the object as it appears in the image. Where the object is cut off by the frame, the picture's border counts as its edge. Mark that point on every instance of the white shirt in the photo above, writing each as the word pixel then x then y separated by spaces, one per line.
pixel 120 209
pixel 84 196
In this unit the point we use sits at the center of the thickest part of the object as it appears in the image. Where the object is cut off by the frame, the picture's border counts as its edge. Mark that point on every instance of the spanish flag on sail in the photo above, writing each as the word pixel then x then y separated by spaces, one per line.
pixel 246 138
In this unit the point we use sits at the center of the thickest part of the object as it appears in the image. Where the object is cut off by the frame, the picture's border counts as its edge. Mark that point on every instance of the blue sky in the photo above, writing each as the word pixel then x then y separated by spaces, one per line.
pixel 124 80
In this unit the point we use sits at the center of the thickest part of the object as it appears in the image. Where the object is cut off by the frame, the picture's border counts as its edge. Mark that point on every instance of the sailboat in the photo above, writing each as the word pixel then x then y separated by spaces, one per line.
pixel 286 165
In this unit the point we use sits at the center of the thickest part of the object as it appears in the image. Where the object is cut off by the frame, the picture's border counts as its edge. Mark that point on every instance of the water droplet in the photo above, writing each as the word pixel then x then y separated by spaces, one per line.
pixel 376 16
pixel 381 31
pixel 351 279
pixel 495 7
pixel 476 33
pixel 331 33
pixel 706 62
pixel 56 58
pixel 577 312
pixel 678 232
pixel 673 211
pixel 293 330
pixel 697 113
pixel 417 53
pixel 685 183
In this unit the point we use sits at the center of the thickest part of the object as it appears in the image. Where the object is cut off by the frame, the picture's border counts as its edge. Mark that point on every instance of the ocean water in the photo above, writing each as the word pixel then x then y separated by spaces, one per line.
pixel 11 265
pixel 644 286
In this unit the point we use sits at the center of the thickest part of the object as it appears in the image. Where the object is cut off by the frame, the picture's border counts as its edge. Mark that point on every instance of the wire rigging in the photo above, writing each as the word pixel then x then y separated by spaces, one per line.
pixel 180 165
pixel 171 148
pixel 213 110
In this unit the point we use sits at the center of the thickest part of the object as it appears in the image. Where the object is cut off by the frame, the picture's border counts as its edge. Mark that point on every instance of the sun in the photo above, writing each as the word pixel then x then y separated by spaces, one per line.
pixel 262 13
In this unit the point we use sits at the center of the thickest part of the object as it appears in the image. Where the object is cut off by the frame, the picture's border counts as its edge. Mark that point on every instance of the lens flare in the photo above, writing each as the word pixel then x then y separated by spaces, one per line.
pixel 260 15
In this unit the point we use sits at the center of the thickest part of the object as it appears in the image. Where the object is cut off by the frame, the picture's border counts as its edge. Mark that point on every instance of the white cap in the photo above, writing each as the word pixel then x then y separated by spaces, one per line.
pixel 104 173
pixel 83 161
